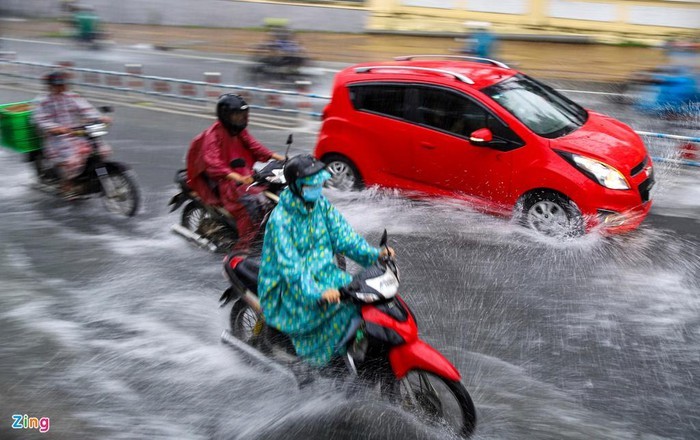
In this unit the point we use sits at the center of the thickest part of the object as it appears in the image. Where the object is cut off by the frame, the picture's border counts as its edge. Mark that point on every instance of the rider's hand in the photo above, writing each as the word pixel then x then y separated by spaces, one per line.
pixel 387 251
pixel 106 120
pixel 276 156
pixel 59 130
pixel 331 296
pixel 240 179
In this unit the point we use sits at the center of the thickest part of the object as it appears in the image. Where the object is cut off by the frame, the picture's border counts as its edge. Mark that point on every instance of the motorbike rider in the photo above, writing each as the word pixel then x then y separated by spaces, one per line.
pixel 297 269
pixel 209 168
pixel 56 114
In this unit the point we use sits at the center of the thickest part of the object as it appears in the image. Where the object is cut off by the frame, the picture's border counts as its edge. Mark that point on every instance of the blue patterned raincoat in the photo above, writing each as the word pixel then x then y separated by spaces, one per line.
pixel 298 266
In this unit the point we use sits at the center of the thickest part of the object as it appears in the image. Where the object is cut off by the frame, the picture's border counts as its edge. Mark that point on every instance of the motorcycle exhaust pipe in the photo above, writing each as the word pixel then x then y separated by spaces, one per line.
pixel 193 237
pixel 260 359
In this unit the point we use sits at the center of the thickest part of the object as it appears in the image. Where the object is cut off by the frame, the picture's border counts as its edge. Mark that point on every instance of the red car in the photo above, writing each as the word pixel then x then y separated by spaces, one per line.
pixel 478 130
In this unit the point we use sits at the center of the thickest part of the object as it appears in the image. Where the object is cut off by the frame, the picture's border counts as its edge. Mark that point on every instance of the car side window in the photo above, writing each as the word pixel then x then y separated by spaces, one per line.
pixel 386 99
pixel 459 115
pixel 449 112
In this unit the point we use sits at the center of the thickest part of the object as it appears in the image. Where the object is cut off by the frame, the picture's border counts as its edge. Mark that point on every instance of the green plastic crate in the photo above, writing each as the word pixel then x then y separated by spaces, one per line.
pixel 17 132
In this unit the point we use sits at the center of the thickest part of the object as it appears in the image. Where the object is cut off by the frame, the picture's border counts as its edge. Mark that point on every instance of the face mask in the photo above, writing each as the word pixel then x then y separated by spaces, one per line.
pixel 311 193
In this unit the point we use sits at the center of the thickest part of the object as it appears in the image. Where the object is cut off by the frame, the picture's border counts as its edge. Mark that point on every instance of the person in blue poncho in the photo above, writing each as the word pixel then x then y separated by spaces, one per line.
pixel 304 233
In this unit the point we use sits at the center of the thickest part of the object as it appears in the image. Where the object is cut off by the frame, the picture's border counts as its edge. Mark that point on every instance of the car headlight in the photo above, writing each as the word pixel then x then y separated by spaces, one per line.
pixel 601 172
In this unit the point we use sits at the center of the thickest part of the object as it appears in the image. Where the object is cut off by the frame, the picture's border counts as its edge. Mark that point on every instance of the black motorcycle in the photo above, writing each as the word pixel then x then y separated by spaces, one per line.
pixel 213 227
pixel 113 181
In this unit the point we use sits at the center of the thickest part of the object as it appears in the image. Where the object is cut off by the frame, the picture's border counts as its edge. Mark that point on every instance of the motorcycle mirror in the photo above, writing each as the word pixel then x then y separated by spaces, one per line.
pixel 289 145
pixel 383 241
pixel 106 109
pixel 237 163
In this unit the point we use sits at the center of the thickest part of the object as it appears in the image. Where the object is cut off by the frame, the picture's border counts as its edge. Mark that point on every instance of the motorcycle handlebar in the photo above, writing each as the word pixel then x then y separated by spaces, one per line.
pixel 81 130
pixel 345 293
pixel 345 296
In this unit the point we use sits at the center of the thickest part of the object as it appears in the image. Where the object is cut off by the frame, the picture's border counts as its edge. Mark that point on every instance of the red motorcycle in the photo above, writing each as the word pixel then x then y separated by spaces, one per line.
pixel 383 349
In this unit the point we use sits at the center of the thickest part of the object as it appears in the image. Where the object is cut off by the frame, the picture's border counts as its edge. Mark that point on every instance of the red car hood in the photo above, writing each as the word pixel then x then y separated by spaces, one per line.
pixel 605 139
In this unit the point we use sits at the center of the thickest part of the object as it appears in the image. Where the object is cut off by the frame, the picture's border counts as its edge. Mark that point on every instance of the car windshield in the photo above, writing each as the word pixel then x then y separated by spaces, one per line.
pixel 538 106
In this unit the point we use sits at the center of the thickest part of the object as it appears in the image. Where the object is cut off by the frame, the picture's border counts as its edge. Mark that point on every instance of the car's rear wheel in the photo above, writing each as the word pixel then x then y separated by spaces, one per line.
pixel 344 174
pixel 551 214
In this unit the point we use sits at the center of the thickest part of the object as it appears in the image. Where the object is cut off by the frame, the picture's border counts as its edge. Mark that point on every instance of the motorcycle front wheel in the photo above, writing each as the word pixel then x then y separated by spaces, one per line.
pixel 438 400
pixel 123 197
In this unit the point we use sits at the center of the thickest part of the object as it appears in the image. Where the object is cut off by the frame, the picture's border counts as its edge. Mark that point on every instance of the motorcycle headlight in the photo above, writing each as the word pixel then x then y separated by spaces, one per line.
pixel 601 172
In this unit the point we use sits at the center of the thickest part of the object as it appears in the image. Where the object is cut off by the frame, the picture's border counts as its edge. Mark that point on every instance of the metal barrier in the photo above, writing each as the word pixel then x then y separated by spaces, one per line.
pixel 684 153
pixel 132 81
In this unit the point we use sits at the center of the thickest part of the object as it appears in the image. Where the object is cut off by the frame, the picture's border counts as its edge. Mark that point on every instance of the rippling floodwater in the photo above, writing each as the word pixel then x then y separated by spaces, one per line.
pixel 111 327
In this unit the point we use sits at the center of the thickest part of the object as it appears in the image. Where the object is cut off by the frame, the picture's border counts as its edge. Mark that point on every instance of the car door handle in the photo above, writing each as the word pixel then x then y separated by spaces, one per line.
pixel 428 146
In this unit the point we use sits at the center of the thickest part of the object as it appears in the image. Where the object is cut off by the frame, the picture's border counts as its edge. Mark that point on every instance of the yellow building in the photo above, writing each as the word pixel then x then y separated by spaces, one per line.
pixel 604 20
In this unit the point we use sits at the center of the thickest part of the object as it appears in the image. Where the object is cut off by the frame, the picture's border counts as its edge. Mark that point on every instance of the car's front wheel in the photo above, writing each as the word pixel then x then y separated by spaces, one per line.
pixel 344 174
pixel 551 214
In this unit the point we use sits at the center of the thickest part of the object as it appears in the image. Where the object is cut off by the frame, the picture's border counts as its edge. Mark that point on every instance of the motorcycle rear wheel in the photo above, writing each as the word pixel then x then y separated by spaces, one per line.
pixel 197 219
pixel 125 197
pixel 438 400
pixel 192 216
pixel 244 321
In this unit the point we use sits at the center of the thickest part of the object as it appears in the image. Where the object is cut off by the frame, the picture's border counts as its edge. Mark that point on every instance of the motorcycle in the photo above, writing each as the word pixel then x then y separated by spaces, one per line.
pixel 88 30
pixel 113 181
pixel 383 349
pixel 279 57
pixel 669 91
pixel 213 227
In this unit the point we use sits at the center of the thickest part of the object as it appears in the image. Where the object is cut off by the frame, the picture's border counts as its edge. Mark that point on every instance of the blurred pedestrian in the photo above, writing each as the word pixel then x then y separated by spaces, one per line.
pixel 480 41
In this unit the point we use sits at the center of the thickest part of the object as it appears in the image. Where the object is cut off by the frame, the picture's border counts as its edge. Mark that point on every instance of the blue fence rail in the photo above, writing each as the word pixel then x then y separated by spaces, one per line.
pixel 686 153
pixel 296 102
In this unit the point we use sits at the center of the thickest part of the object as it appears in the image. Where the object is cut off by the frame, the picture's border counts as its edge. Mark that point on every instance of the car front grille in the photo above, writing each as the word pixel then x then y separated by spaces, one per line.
pixel 638 169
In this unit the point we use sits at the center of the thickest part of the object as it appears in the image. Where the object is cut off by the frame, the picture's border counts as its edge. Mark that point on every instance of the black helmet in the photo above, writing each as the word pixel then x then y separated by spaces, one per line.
pixel 56 78
pixel 228 105
pixel 299 167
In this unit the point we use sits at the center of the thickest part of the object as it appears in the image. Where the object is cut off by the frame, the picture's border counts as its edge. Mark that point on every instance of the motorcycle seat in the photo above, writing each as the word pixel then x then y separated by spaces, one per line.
pixel 247 271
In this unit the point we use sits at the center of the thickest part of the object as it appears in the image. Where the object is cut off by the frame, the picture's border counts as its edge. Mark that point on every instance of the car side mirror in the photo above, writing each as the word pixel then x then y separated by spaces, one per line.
pixel 481 137
pixel 237 163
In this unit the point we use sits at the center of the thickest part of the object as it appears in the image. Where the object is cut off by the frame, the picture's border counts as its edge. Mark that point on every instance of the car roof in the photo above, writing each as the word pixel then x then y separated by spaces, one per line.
pixel 472 73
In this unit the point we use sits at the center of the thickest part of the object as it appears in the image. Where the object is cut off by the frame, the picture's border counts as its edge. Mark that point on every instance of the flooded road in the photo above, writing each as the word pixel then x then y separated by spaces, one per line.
pixel 110 327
